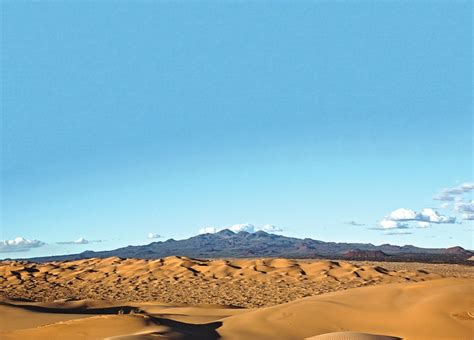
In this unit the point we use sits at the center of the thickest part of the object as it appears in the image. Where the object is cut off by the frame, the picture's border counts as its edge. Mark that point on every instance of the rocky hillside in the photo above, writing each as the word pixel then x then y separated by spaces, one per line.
pixel 227 244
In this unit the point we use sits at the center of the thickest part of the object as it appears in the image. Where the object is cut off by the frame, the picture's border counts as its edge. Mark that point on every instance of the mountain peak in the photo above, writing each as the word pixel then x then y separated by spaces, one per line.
pixel 225 232
pixel 228 244
pixel 457 250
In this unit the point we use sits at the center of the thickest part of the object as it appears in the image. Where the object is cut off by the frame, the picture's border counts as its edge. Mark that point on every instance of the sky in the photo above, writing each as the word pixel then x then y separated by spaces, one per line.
pixel 129 122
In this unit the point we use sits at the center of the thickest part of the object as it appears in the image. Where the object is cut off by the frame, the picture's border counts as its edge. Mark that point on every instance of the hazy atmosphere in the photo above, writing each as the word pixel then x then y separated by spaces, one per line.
pixel 135 123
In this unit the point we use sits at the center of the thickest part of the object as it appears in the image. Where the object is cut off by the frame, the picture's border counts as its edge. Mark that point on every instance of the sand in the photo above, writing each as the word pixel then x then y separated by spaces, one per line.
pixel 357 302
pixel 242 282
pixel 441 309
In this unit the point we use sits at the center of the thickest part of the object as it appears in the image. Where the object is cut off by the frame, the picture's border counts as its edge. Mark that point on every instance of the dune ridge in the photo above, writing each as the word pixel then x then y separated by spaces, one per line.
pixel 435 309
pixel 239 282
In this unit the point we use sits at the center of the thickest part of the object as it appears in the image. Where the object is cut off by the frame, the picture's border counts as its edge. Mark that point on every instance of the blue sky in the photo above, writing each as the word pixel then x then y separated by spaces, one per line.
pixel 121 119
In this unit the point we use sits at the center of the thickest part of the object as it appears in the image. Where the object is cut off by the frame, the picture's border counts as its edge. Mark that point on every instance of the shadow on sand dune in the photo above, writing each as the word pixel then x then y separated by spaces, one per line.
pixel 183 330
pixel 79 310
pixel 165 327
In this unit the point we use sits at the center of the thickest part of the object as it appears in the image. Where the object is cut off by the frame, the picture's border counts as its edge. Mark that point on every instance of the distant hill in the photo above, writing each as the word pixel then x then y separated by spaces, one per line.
pixel 227 244
pixel 370 255
pixel 458 251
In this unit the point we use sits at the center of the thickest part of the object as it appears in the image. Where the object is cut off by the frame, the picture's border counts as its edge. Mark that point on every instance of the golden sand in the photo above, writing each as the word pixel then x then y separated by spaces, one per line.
pixel 182 298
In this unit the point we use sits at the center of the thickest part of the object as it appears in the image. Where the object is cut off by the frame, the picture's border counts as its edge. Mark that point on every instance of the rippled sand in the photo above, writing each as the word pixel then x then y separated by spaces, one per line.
pixel 183 298
pixel 241 282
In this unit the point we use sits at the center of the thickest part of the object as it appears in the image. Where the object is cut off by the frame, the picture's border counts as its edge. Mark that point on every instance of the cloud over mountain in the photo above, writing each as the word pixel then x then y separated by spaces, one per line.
pixel 247 227
pixel 271 228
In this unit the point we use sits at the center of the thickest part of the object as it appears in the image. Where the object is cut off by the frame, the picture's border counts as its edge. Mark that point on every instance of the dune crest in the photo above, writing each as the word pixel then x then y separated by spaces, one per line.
pixel 436 309
pixel 351 336
pixel 176 279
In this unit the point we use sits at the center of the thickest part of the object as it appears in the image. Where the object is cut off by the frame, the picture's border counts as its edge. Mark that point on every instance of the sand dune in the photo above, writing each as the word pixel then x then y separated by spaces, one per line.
pixel 351 336
pixel 184 298
pixel 441 309
pixel 436 309
pixel 101 319
pixel 240 282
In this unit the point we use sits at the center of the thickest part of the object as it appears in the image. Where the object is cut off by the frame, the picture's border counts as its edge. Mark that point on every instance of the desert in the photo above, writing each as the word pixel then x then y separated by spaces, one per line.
pixel 273 298
pixel 236 170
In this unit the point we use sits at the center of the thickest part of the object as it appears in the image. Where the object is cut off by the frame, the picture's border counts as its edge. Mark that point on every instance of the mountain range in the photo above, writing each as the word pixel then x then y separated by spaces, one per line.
pixel 227 244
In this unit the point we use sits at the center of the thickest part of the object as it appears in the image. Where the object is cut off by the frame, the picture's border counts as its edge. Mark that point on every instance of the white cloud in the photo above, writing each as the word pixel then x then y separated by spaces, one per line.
pixel 467 187
pixel 153 236
pixel 19 244
pixel 453 191
pixel 424 224
pixel 354 223
pixel 271 228
pixel 247 227
pixel 461 189
pixel 464 207
pixel 250 228
pixel 443 197
pixel 403 214
pixel 468 217
pixel 398 233
pixel 389 224
pixel 80 240
pixel 444 205
pixel 448 193
pixel 426 215
pixel 431 215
